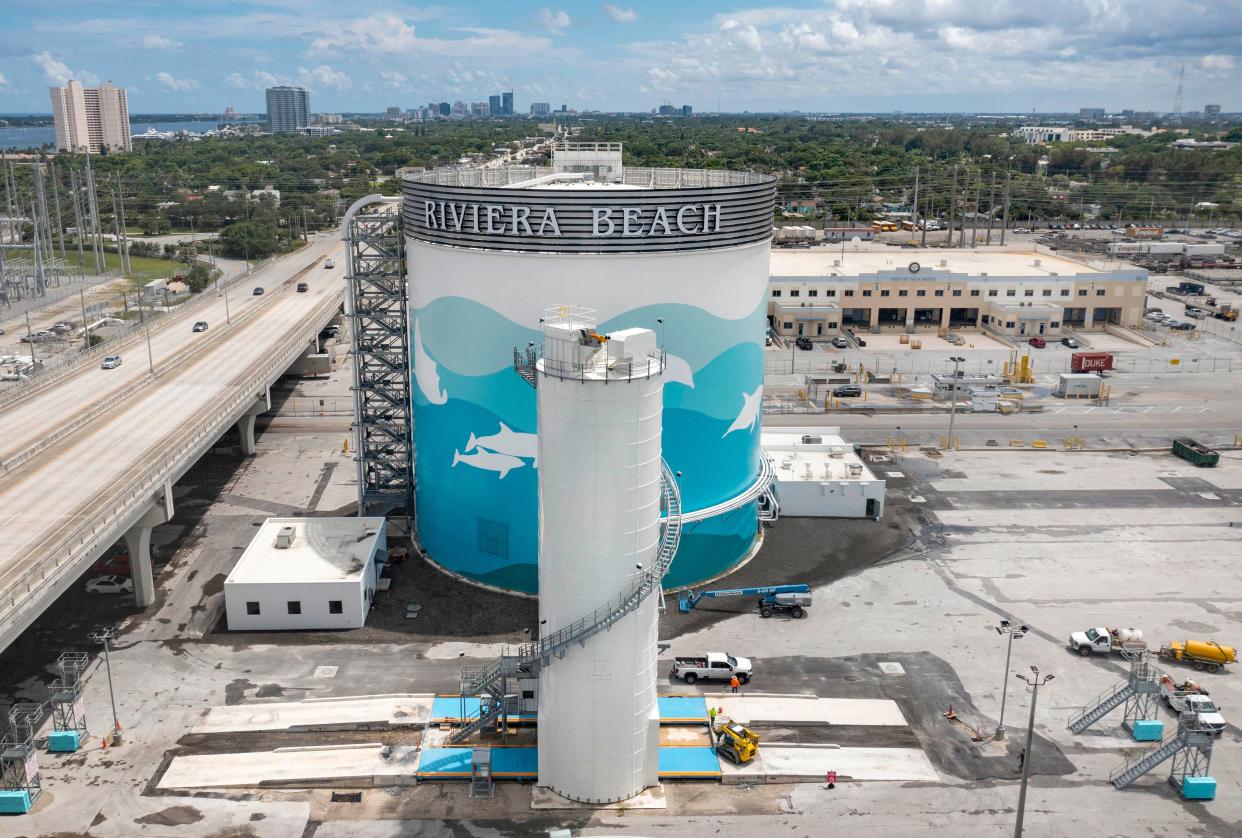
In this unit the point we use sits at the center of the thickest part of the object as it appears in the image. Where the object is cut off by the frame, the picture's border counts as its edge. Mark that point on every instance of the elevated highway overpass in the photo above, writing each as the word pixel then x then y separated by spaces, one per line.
pixel 89 456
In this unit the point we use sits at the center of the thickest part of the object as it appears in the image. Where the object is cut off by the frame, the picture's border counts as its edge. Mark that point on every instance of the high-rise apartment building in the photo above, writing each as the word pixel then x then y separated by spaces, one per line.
pixel 288 109
pixel 506 103
pixel 91 119
pixel 1211 110
pixel 493 104
pixel 540 109
pixel 1092 113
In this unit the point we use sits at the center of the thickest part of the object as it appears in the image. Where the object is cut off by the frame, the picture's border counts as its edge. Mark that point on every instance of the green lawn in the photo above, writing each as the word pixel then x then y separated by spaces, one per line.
pixel 145 268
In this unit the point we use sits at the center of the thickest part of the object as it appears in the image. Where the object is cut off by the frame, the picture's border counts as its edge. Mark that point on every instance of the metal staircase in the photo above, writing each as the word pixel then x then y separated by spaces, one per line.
pixel 1190 748
pixel 1138 693
pixel 490 683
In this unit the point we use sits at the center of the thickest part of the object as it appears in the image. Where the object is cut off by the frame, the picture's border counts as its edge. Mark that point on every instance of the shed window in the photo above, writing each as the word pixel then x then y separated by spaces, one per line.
pixel 295 606
pixel 252 609
pixel 335 607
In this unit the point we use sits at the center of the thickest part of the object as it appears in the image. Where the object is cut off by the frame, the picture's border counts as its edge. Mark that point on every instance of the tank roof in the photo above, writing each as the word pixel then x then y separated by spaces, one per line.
pixel 633 177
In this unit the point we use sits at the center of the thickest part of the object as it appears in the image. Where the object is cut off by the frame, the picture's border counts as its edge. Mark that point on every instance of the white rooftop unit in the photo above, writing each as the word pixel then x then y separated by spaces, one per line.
pixel 818 475
pixel 601 160
pixel 306 573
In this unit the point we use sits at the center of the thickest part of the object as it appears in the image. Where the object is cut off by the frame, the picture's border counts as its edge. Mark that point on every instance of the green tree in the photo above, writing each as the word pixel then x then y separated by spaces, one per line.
pixel 249 239
pixel 198 278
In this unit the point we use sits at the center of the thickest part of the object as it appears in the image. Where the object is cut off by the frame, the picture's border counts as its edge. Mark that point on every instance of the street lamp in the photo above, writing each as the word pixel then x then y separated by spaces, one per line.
pixel 1035 681
pixel 1014 632
pixel 104 636
pixel 957 361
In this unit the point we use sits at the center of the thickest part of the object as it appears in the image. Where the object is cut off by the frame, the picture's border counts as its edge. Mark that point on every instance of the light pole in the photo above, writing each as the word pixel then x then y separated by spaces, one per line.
pixel 1035 681
pixel 1013 632
pixel 104 636
pixel 146 325
pixel 957 361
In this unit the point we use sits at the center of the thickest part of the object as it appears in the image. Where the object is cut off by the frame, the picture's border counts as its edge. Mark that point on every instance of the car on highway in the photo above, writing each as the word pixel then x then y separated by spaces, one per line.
pixel 258 292
pixel 840 343
pixel 303 287
pixel 328 264
pixel 1021 229
pixel 63 327
pixel 200 326
pixel 110 585
pixel 111 362
pixel 804 343
pixel 1071 343
pixel 1038 343
pixel 846 391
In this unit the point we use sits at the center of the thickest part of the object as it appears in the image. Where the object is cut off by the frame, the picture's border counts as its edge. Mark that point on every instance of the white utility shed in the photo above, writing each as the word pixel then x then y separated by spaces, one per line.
pixel 306 573
pixel 818 475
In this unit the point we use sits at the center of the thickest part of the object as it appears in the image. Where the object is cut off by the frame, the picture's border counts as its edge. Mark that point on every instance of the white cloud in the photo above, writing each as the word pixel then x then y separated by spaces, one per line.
pixel 324 76
pixel 160 42
pixel 172 83
pixel 620 15
pixel 3 82
pixel 393 79
pixel 382 35
pixel 257 80
pixel 1217 62
pixel 555 22
pixel 55 71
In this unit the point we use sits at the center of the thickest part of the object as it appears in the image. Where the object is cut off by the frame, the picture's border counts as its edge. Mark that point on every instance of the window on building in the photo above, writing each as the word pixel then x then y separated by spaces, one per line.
pixel 787 325
pixel 1011 292
pixel 866 292
pixel 1082 292
pixel 252 608
pixel 901 292
pixel 335 606
pixel 939 292
pixel 922 292
pixel 832 324
pixel 294 606
pixel 795 293
pixel 1055 324
pixel 991 292
pixel 528 694
pixel 776 292
pixel 831 292
pixel 884 292
pixel 814 292
pixel 974 292
pixel 1030 292
pixel 849 292
pixel 1047 292
pixel 1009 325
pixel 1065 292
pixel 1100 292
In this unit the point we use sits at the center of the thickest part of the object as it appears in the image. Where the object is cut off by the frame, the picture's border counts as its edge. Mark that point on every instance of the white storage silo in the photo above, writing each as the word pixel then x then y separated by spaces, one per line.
pixel 600 401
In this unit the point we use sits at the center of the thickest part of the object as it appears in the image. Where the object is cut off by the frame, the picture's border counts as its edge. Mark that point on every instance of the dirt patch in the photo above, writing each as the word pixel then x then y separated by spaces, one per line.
pixel 172 816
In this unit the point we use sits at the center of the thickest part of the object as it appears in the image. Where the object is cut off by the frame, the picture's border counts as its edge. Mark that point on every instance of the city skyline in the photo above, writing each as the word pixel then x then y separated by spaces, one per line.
pixel 847 55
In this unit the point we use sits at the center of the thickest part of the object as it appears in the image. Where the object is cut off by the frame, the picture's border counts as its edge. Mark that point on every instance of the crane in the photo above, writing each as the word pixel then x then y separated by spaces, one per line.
pixel 794 598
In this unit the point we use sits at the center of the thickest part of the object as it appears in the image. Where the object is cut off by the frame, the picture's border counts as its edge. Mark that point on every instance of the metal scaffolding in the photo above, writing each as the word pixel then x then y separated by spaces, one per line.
pixel 65 694
pixel 380 346
pixel 19 761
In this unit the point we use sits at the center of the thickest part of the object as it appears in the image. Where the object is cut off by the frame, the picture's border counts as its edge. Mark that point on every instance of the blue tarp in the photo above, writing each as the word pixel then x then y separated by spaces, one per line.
pixel 682 709
pixel 680 763
pixel 452 763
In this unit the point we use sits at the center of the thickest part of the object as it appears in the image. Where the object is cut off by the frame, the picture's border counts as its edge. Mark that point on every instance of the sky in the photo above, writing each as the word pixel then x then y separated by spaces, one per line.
pixel 833 55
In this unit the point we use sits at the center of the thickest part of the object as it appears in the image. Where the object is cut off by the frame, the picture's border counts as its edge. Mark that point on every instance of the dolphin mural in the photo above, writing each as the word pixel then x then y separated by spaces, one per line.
pixel 426 374
pixel 507 441
pixel 677 370
pixel 488 461
pixel 749 415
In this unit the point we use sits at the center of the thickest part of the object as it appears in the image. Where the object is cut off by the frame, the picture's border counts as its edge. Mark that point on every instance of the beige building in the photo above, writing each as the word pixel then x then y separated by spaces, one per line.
pixel 91 119
pixel 818 292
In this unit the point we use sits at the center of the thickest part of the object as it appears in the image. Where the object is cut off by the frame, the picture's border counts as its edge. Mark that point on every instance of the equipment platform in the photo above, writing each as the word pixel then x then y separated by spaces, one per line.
pixel 519 763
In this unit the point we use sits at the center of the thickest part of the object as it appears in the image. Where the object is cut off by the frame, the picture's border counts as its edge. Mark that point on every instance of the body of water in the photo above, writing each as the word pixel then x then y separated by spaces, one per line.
pixel 35 136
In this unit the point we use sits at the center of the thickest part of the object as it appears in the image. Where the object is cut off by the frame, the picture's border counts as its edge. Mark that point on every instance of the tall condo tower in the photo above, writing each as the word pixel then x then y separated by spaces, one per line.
pixel 600 403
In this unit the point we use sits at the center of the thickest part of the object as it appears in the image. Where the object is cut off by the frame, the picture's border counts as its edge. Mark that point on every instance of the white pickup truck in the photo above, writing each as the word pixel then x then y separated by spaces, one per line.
pixel 714 666
pixel 1101 641
pixel 1189 697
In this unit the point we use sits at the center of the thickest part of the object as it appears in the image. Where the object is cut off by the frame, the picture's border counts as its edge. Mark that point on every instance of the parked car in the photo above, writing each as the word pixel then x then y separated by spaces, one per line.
pixel 111 362
pixel 713 666
pixel 840 343
pixel 303 287
pixel 200 326
pixel 847 391
pixel 1038 343
pixel 258 292
pixel 329 264
pixel 804 343
pixel 1021 229
pixel 1071 343
pixel 1182 327
pixel 115 563
pixel 110 585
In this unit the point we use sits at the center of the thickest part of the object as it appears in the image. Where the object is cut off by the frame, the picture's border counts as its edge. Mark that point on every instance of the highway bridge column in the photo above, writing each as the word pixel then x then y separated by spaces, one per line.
pixel 245 425
pixel 138 540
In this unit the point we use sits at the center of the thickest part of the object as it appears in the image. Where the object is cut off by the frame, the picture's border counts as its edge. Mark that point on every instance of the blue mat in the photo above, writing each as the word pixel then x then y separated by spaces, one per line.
pixel 448 709
pixel 454 763
pixel 682 709
pixel 688 763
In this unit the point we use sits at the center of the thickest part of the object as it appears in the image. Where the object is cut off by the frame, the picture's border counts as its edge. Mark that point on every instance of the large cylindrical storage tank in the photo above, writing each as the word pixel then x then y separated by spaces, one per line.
pixel 487 250
pixel 599 530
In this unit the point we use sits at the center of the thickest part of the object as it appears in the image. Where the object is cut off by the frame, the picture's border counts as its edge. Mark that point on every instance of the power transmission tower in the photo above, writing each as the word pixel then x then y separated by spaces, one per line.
pixel 1177 103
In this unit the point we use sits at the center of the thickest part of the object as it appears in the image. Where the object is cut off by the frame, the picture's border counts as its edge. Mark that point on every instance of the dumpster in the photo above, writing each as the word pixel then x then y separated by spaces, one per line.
pixel 1193 452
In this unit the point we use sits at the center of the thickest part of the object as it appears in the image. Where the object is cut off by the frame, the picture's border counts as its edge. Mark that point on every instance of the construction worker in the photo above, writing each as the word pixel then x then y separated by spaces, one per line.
pixel 711 719
pixel 734 683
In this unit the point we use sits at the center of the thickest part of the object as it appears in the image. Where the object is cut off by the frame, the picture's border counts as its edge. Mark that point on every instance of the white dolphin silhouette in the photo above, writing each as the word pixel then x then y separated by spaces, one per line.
pixel 677 370
pixel 507 441
pixel 488 461
pixel 425 372
pixel 749 416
